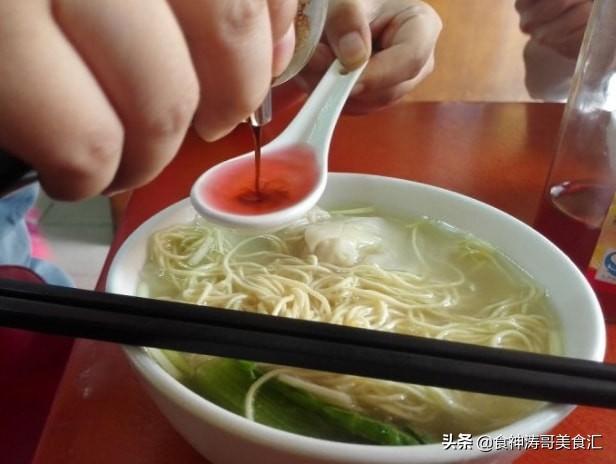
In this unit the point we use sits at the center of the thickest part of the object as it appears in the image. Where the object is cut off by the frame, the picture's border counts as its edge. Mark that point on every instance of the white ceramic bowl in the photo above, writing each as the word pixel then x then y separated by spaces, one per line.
pixel 226 438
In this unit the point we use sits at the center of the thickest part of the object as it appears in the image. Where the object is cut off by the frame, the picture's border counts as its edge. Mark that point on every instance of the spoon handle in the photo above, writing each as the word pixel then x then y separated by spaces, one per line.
pixel 315 123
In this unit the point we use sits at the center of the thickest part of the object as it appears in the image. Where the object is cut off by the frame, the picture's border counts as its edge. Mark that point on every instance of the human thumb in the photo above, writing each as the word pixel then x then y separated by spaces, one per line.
pixel 348 32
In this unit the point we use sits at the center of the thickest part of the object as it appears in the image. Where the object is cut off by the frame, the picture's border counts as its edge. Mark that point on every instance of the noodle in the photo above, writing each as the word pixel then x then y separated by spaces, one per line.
pixel 441 297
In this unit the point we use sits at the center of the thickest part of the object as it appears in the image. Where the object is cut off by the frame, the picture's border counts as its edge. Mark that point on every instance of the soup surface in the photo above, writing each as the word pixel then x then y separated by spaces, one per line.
pixel 412 276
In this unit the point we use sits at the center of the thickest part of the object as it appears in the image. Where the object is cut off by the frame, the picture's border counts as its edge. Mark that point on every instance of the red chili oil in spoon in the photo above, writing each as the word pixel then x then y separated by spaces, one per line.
pixel 263 184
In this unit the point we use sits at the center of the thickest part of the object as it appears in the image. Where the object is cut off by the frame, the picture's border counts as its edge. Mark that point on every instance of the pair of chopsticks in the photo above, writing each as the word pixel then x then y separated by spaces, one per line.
pixel 312 345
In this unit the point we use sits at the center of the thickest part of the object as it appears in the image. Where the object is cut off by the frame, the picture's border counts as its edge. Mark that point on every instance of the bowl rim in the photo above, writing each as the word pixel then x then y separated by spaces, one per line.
pixel 535 423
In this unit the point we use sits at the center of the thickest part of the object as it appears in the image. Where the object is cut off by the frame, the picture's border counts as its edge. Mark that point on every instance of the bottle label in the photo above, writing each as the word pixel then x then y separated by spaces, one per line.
pixel 607 270
pixel 603 261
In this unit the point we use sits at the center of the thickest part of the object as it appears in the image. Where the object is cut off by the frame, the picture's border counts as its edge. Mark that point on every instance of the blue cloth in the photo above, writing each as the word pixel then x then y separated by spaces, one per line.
pixel 15 246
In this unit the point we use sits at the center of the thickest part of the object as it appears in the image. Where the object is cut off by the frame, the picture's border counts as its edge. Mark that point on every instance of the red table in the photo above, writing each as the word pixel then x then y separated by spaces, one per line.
pixel 498 153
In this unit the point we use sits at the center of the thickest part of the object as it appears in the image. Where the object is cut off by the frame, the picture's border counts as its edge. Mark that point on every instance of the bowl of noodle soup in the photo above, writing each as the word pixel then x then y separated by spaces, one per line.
pixel 378 253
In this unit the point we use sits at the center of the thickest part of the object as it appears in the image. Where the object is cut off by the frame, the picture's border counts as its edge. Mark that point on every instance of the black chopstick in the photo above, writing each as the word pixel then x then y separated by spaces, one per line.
pixel 312 330
pixel 179 326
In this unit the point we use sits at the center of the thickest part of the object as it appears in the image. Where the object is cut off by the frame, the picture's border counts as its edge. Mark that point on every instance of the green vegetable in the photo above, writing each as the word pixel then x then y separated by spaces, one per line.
pixel 179 362
pixel 225 382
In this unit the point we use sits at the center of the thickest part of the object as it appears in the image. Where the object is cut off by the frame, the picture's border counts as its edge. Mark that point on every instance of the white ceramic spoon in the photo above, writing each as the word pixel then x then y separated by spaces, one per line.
pixel 306 139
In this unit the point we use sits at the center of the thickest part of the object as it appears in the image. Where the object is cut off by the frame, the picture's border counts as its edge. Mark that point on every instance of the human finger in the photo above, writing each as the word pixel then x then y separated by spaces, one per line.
pixel 570 47
pixel 407 43
pixel 282 15
pixel 521 5
pixel 231 44
pixel 145 69
pixel 570 25
pixel 54 114
pixel 533 15
pixel 369 101
pixel 348 32
pixel 377 100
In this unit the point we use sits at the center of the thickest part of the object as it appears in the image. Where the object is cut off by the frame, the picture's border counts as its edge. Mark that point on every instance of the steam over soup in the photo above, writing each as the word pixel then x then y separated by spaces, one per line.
pixel 355 268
